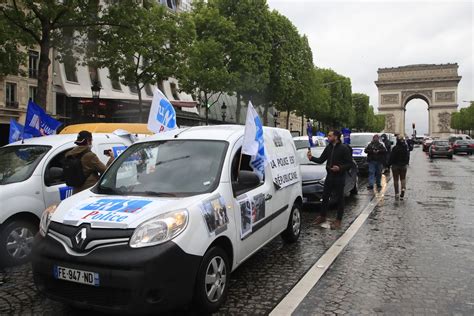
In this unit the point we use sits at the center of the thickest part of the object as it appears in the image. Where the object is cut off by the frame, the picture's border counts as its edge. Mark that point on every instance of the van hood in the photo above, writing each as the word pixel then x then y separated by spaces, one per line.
pixel 312 172
pixel 115 211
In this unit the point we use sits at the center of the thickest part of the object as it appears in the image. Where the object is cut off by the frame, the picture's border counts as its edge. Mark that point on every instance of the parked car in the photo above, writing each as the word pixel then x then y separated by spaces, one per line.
pixel 456 137
pixel 31 179
pixel 171 232
pixel 463 146
pixel 419 140
pixel 427 143
pixel 313 176
pixel 440 148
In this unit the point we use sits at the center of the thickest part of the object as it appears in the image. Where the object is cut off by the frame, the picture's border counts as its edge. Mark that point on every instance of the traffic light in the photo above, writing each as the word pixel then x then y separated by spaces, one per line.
pixel 413 125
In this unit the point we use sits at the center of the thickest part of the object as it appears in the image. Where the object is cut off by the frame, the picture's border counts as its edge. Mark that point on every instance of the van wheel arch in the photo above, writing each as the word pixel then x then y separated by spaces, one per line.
pixel 23 216
pixel 225 244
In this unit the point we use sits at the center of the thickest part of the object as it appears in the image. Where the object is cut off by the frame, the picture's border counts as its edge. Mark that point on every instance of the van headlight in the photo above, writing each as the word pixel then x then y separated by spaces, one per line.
pixel 159 229
pixel 46 219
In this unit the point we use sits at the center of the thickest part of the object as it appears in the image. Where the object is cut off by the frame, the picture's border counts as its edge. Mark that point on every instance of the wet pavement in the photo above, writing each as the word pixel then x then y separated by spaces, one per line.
pixel 415 256
pixel 412 257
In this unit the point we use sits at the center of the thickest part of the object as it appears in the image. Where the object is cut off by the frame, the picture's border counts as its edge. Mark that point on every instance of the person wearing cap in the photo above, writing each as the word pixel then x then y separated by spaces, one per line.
pixel 91 164
pixel 376 152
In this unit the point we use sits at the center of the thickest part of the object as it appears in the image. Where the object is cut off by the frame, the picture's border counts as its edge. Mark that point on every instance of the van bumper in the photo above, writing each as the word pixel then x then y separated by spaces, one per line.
pixel 156 278
pixel 312 192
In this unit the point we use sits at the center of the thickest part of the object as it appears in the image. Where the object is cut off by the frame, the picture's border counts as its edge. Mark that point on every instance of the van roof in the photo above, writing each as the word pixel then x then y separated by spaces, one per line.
pixel 213 132
pixel 57 140
pixel 134 128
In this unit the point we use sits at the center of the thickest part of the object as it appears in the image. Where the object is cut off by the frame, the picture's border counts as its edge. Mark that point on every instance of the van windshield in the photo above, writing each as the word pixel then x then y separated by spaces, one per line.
pixel 17 163
pixel 166 168
pixel 360 140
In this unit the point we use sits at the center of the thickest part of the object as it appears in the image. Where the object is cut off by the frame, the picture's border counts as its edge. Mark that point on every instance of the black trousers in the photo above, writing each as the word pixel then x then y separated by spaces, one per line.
pixel 334 189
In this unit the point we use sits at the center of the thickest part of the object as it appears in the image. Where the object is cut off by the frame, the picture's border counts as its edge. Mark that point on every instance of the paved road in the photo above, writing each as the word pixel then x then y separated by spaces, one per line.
pixel 413 257
pixel 419 252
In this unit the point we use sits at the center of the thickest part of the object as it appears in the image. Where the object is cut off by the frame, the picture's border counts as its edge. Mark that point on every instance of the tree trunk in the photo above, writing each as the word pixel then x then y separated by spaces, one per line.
pixel 206 101
pixel 238 108
pixel 140 104
pixel 265 114
pixel 43 69
pixel 288 119
pixel 302 125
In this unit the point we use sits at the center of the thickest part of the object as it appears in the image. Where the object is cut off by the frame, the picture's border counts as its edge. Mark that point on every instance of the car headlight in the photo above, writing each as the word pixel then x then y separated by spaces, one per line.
pixel 46 219
pixel 159 229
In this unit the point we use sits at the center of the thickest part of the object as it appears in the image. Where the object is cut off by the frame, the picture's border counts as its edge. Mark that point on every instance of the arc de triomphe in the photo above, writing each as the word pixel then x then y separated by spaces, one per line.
pixel 437 85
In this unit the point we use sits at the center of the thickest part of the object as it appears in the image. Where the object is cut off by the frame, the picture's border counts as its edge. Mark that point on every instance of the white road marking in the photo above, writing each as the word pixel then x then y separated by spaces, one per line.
pixel 291 301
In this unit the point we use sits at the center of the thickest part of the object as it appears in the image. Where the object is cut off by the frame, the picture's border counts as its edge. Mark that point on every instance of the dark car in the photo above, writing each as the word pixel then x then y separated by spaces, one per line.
pixel 314 175
pixel 463 146
pixel 440 148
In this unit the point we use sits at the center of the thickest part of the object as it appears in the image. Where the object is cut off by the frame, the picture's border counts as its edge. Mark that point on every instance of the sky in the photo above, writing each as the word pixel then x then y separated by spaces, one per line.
pixel 355 38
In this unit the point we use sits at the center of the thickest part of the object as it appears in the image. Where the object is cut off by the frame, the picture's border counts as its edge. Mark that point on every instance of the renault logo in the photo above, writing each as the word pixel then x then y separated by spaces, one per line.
pixel 81 237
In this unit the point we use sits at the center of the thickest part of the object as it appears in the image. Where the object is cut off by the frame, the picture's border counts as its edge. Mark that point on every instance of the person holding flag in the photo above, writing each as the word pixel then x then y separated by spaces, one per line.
pixel 253 144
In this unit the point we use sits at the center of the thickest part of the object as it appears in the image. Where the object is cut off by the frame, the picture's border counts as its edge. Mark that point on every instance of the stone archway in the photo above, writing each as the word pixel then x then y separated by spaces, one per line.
pixel 437 85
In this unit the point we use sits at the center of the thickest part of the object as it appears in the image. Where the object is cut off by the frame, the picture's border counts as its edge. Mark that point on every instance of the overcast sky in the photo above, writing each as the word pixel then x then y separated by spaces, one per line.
pixel 355 38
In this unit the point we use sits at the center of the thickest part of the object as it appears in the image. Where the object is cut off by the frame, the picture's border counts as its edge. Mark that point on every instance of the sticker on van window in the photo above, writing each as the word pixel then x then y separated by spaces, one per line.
pixel 214 212
pixel 252 211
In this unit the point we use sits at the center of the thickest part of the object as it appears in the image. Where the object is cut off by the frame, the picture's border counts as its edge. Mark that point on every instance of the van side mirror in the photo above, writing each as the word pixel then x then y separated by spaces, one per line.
pixel 246 181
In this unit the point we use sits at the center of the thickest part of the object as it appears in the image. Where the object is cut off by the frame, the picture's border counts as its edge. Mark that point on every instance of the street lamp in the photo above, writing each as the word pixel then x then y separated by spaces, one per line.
pixel 223 111
pixel 95 88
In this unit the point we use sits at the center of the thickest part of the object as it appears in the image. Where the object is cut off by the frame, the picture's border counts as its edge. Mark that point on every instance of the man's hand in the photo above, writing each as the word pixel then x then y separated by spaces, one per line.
pixel 335 169
pixel 309 154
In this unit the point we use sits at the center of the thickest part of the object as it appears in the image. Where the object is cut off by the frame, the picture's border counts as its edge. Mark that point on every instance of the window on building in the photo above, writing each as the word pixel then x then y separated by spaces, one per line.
pixel 171 4
pixel 160 86
pixel 33 63
pixel 10 95
pixel 133 88
pixel 114 80
pixel 149 90
pixel 32 91
pixel 174 91
pixel 94 75
pixel 70 68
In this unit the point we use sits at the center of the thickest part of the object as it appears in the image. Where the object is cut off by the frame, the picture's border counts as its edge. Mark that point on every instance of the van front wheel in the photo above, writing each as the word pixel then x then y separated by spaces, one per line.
pixel 212 280
pixel 16 242
pixel 293 230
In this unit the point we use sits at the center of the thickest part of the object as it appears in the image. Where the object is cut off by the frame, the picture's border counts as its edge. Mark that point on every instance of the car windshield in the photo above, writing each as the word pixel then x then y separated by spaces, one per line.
pixel 166 168
pixel 304 143
pixel 461 142
pixel 361 140
pixel 17 163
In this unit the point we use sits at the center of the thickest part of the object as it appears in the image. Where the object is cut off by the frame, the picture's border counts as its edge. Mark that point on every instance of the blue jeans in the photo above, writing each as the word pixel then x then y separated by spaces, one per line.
pixel 375 173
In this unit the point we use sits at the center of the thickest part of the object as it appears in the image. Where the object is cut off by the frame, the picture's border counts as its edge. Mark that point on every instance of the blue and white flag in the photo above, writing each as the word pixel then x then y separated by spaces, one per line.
pixel 253 144
pixel 162 116
pixel 16 132
pixel 38 122
pixel 309 131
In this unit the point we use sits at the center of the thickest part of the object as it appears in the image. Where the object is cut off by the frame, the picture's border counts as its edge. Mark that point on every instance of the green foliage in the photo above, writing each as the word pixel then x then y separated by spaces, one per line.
pixel 464 119
pixel 11 58
pixel 205 70
pixel 360 102
pixel 146 47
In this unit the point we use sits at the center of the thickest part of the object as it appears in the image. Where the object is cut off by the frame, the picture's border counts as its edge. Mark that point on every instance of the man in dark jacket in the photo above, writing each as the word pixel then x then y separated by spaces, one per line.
pixel 388 147
pixel 338 160
pixel 376 152
pixel 399 159
pixel 92 167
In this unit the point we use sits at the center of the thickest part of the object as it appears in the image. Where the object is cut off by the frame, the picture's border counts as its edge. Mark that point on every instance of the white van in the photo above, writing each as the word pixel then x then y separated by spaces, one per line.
pixel 30 180
pixel 171 232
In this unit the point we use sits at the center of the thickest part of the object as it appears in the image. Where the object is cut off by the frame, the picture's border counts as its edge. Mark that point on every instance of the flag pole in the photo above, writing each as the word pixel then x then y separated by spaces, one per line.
pixel 240 163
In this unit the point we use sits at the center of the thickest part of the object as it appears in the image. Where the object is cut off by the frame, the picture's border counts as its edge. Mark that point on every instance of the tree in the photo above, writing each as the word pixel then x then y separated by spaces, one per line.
pixel 45 23
pixel 146 46
pixel 250 53
pixel 360 103
pixel 205 72
pixel 11 57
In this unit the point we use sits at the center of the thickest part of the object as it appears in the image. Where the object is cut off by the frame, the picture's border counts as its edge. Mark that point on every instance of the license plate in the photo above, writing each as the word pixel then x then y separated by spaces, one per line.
pixel 463 146
pixel 74 275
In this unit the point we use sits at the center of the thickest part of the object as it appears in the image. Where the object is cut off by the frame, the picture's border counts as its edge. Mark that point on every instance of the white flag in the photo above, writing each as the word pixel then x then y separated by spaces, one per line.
pixel 162 116
pixel 253 144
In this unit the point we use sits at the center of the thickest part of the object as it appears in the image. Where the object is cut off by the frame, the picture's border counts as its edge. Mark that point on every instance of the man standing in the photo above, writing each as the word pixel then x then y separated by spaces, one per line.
pixel 82 167
pixel 376 155
pixel 338 160
pixel 388 146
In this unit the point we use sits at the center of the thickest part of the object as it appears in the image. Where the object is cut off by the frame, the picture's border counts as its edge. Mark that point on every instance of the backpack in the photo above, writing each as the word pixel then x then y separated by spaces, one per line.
pixel 73 171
